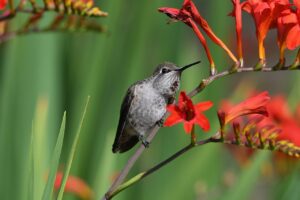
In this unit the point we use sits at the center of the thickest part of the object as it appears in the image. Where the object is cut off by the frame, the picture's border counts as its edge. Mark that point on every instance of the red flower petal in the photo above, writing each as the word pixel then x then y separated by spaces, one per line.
pixel 173 119
pixel 291 132
pixel 172 108
pixel 253 105
pixel 202 121
pixel 205 26
pixel 203 106
pixel 293 39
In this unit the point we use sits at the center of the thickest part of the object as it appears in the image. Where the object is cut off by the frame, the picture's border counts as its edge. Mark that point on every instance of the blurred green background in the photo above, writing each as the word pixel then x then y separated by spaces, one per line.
pixel 44 74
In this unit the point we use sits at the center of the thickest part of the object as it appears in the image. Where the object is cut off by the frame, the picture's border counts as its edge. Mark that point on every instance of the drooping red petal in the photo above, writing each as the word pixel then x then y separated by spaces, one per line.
pixel 202 121
pixel 188 126
pixel 203 106
pixel 205 26
pixel 203 41
pixel 175 13
pixel 238 26
pixel 253 105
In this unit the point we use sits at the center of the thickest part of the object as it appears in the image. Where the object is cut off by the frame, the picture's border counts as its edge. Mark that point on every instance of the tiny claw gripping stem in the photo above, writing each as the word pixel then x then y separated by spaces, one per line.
pixel 160 123
pixel 144 141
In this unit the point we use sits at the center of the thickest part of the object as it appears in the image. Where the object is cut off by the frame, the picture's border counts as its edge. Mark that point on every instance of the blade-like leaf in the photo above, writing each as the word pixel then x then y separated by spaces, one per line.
pixel 72 153
pixel 30 167
pixel 55 160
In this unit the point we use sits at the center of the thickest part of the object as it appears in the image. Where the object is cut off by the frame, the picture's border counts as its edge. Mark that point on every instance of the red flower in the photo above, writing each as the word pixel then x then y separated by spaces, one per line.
pixel 188 113
pixel 285 23
pixel 185 16
pixel 278 110
pixel 290 132
pixel 253 105
pixel 3 4
pixel 74 185
pixel 292 38
pixel 264 13
pixel 190 15
pixel 192 9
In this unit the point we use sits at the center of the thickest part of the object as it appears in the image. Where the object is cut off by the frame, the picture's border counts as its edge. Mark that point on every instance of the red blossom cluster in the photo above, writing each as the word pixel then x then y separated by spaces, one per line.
pixel 261 120
pixel 267 14
pixel 280 14
pixel 190 15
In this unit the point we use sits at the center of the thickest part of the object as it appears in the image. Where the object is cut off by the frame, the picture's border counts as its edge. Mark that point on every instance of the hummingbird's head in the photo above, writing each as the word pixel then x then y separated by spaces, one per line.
pixel 167 78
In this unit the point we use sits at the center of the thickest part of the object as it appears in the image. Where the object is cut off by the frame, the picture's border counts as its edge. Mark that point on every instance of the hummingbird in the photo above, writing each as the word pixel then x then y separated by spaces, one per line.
pixel 144 105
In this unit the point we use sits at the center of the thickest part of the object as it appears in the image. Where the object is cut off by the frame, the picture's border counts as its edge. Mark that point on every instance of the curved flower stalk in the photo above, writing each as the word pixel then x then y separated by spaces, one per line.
pixel 70 15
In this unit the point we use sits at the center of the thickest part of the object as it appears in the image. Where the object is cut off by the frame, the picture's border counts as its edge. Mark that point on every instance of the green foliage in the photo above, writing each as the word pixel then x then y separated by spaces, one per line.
pixel 71 154
pixel 55 161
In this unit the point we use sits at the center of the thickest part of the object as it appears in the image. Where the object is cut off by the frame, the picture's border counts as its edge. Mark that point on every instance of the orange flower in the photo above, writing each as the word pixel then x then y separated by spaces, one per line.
pixel 192 9
pixel 278 110
pixel 184 16
pixel 292 38
pixel 188 113
pixel 285 23
pixel 265 14
pixel 252 105
pixel 290 131
pixel 74 185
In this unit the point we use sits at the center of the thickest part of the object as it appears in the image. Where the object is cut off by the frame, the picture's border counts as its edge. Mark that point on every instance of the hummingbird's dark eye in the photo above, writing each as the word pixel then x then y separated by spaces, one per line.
pixel 165 70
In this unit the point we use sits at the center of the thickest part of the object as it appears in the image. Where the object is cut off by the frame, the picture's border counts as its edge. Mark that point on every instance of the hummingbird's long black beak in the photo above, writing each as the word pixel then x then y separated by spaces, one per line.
pixel 187 66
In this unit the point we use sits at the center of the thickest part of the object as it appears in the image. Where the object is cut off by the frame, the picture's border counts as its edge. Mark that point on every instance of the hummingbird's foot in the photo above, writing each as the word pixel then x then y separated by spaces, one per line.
pixel 144 141
pixel 160 123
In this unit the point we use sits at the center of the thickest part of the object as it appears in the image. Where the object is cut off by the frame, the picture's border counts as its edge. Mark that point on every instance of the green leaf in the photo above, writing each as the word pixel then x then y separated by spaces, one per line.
pixel 72 153
pixel 48 191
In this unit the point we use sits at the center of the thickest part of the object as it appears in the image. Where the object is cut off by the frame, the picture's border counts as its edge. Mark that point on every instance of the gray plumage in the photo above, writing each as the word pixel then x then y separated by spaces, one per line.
pixel 144 105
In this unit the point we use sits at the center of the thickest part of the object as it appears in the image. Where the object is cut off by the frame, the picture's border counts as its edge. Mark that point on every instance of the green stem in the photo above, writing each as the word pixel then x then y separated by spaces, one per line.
pixel 144 174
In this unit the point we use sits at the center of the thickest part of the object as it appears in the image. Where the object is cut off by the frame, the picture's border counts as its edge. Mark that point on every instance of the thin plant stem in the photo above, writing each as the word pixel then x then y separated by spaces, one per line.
pixel 144 174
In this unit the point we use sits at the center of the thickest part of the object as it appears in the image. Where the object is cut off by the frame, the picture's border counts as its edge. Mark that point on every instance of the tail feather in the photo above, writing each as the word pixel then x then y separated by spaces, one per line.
pixel 125 143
